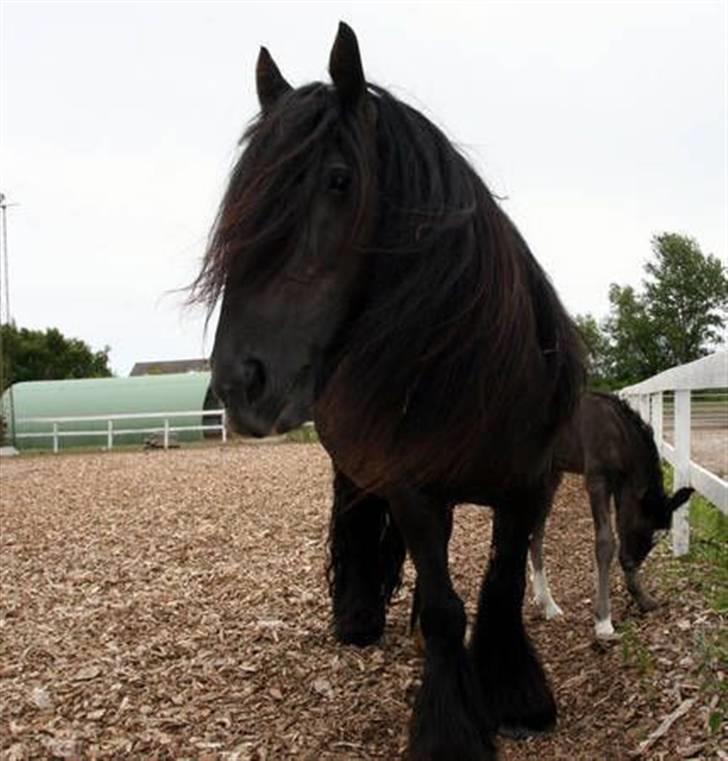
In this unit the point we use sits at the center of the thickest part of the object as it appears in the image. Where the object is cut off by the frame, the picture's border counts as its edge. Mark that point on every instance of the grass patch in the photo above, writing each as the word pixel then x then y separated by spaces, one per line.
pixel 306 434
pixel 634 652
pixel 706 564
pixel 706 568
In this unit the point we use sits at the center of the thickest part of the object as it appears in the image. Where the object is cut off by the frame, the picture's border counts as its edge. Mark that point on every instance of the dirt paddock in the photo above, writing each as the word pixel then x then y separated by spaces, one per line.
pixel 172 605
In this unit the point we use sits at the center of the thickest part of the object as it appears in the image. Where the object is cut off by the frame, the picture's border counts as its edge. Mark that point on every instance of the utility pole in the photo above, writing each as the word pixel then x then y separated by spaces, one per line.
pixel 4 257
pixel 5 301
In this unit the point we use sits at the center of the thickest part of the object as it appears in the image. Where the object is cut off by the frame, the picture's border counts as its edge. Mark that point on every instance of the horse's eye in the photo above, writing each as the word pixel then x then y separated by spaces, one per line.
pixel 338 181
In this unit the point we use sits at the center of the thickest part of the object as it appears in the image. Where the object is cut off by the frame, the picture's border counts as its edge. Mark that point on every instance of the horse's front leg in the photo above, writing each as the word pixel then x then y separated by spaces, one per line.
pixel 415 628
pixel 449 722
pixel 511 676
pixel 366 557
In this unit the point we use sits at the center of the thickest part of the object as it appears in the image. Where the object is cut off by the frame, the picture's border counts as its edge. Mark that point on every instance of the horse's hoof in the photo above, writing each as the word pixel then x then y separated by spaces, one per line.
pixel 519 732
pixel 362 628
pixel 358 637
pixel 534 723
pixel 458 752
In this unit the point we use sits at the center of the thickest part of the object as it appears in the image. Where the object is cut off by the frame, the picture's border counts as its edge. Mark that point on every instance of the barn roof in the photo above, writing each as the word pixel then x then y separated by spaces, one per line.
pixel 164 367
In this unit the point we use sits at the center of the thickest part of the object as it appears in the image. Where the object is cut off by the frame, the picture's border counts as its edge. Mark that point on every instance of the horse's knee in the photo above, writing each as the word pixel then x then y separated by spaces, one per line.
pixel 444 622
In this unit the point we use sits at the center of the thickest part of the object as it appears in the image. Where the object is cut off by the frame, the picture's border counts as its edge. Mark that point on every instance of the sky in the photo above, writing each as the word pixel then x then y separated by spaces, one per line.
pixel 599 124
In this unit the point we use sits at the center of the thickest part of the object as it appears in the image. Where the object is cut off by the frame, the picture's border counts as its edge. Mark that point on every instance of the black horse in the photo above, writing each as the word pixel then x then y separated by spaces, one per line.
pixel 368 275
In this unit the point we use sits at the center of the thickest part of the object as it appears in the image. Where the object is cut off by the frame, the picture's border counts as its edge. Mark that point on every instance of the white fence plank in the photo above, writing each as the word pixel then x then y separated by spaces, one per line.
pixel 110 432
pixel 708 372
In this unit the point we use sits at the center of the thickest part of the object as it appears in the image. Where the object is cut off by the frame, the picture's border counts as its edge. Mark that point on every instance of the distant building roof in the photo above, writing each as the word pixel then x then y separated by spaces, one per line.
pixel 165 367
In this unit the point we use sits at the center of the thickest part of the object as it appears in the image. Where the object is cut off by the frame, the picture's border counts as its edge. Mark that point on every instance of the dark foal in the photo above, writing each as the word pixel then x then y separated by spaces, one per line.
pixel 369 276
pixel 614 448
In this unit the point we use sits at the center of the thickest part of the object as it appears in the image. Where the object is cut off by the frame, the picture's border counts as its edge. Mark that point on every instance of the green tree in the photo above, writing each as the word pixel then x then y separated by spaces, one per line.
pixel 597 348
pixel 47 355
pixel 633 346
pixel 679 316
pixel 686 295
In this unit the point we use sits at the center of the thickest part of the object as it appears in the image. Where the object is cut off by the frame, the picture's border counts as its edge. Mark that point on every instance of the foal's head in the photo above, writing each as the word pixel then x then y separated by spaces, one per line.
pixel 648 513
pixel 283 250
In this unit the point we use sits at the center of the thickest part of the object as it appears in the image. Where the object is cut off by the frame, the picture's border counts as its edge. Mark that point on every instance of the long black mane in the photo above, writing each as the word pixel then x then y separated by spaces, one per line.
pixel 451 284
pixel 654 503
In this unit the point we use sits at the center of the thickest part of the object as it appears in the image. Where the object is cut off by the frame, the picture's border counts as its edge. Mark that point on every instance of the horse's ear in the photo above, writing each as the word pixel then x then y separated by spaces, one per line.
pixel 269 81
pixel 679 497
pixel 345 67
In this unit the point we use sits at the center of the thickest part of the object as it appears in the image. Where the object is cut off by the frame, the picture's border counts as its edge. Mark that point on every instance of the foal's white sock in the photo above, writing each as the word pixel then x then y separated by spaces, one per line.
pixel 603 628
pixel 542 596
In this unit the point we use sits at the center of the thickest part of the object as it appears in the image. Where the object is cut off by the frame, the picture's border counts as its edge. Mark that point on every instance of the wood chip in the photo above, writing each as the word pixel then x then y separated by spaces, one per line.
pixel 665 725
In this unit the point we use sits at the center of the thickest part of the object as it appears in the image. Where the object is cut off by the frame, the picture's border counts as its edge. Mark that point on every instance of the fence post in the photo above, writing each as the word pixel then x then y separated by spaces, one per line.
pixel 680 525
pixel 223 419
pixel 166 433
pixel 55 438
pixel 656 420
pixel 109 434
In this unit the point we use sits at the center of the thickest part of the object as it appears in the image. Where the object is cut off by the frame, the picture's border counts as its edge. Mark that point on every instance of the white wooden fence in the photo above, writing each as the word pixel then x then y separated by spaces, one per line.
pixel 648 399
pixel 111 431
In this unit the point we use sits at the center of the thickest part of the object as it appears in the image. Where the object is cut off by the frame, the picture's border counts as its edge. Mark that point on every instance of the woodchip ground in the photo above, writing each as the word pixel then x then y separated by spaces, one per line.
pixel 173 605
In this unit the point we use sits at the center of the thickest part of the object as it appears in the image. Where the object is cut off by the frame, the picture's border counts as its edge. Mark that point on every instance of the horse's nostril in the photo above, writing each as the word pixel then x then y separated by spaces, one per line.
pixel 252 379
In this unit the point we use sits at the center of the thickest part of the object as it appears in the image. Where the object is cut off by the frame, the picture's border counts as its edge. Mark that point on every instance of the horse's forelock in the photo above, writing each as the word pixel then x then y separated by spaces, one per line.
pixel 266 199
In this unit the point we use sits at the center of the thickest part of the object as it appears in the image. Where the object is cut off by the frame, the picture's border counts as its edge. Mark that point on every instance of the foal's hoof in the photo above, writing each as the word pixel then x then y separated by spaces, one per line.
pixel 604 631
pixel 552 611
pixel 360 627
pixel 647 604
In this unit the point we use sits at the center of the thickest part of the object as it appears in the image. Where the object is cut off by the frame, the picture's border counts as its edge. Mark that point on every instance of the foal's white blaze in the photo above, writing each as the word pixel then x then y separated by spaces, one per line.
pixel 542 596
pixel 604 628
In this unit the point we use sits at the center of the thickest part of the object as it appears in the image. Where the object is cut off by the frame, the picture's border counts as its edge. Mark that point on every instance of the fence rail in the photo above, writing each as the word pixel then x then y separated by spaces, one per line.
pixel 111 432
pixel 648 398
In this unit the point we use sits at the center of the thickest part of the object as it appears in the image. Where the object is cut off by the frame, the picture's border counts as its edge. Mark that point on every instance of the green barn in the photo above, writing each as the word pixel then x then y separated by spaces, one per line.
pixel 95 398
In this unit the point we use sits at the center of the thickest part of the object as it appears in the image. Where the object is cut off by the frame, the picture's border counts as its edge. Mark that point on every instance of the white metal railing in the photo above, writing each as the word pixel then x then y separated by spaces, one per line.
pixel 647 398
pixel 110 432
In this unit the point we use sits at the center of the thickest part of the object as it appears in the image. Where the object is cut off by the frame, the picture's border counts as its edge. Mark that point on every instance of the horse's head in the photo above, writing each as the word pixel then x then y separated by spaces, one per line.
pixel 283 252
pixel 649 520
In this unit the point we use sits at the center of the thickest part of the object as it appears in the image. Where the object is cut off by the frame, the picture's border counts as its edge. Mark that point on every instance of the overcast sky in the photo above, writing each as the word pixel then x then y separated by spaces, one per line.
pixel 601 123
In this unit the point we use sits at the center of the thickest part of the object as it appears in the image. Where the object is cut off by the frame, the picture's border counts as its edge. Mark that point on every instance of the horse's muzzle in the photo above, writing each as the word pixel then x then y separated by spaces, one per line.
pixel 256 406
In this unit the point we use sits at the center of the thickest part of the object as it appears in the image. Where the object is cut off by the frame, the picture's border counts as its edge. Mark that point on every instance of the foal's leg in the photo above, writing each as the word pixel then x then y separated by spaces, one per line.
pixel 514 683
pixel 628 529
pixel 541 590
pixel 367 553
pixel 599 494
pixel 449 722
